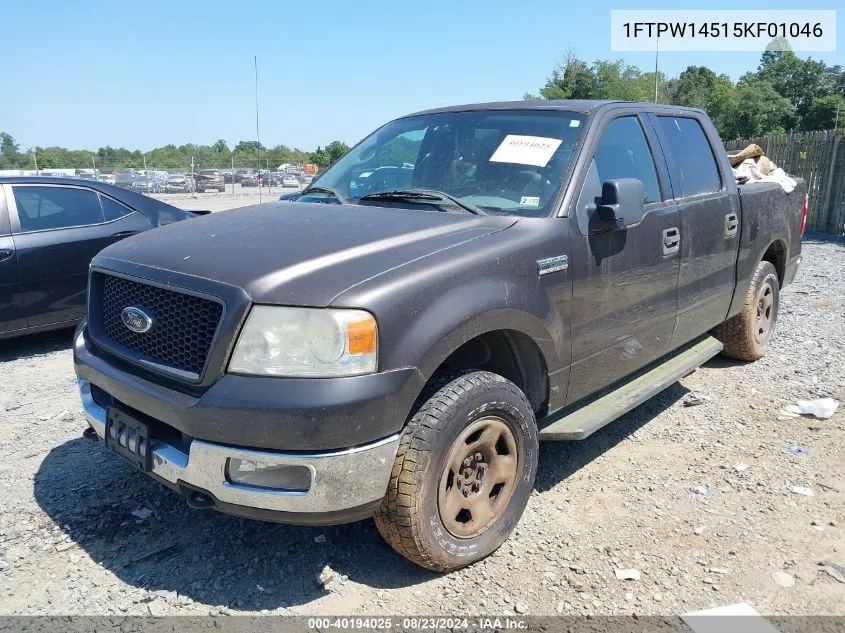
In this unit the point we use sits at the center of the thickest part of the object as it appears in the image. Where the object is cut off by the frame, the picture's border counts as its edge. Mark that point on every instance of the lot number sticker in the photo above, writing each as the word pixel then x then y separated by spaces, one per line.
pixel 526 150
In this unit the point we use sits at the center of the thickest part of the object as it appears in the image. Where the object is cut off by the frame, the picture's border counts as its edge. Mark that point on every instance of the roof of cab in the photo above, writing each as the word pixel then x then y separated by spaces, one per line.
pixel 572 105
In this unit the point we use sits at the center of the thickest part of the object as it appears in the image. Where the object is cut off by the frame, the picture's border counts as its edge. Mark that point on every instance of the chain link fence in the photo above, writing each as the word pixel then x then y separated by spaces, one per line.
pixel 153 179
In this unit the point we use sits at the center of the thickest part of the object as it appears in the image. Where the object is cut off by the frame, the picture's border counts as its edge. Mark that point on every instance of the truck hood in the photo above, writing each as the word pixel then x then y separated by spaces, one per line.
pixel 305 254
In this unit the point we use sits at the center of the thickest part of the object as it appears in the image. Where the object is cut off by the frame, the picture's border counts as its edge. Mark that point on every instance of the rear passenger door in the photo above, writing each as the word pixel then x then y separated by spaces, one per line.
pixel 624 300
pixel 57 230
pixel 709 221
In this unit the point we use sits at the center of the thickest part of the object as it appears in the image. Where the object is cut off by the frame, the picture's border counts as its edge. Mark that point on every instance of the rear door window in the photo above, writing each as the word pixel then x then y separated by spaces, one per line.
pixel 44 208
pixel 695 163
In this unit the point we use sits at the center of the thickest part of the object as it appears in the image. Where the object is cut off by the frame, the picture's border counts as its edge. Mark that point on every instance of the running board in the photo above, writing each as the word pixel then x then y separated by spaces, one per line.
pixel 588 419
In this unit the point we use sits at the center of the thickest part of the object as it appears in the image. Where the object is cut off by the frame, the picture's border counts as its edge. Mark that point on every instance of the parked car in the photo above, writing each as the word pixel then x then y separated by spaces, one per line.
pixel 289 180
pixel 239 174
pixel 249 180
pixel 228 177
pixel 107 178
pixel 145 184
pixel 290 196
pixel 549 266
pixel 209 179
pixel 125 179
pixel 50 228
pixel 178 183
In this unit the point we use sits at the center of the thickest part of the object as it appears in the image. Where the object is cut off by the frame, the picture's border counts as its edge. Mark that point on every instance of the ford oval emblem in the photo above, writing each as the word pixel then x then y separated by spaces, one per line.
pixel 136 319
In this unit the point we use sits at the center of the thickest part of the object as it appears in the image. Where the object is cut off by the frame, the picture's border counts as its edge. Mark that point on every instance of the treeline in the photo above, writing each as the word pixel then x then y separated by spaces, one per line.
pixel 245 154
pixel 785 93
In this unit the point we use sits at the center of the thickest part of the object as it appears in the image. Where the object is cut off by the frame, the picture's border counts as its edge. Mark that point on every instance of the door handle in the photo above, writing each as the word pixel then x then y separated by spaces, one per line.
pixel 120 235
pixel 671 241
pixel 6 253
pixel 731 224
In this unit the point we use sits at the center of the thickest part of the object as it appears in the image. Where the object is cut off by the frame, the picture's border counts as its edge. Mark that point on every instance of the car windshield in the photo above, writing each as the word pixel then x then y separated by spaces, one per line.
pixel 510 162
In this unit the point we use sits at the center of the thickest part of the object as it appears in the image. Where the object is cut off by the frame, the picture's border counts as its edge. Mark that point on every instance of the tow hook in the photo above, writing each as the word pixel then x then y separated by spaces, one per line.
pixel 90 434
pixel 199 501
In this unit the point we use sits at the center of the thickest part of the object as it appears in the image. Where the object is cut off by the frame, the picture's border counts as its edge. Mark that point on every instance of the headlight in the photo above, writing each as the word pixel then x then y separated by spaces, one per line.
pixel 312 342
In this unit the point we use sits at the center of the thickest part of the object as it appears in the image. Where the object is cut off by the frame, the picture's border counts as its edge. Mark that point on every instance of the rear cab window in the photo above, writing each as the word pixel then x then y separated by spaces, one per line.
pixel 692 155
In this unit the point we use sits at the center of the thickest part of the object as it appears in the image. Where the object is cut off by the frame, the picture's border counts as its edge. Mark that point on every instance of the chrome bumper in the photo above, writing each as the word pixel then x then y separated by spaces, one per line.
pixel 340 480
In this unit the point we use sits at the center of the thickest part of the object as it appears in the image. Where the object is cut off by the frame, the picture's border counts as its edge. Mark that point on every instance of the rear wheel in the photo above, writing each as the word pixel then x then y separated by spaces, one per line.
pixel 463 473
pixel 747 335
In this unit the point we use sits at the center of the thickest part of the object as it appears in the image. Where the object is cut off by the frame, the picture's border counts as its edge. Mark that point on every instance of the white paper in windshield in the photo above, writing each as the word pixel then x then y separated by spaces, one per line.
pixel 526 150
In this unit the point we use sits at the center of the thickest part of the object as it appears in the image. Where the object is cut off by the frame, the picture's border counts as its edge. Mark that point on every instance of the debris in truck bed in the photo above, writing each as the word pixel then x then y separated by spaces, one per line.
pixel 752 165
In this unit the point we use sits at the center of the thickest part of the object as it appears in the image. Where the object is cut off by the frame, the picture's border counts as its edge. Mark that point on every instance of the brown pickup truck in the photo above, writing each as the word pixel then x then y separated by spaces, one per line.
pixel 210 179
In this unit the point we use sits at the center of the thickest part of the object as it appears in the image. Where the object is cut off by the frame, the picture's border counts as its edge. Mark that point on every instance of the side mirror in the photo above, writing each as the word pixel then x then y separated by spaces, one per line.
pixel 622 204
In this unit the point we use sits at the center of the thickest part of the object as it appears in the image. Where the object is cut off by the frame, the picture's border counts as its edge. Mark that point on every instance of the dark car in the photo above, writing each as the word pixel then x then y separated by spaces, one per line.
pixel 209 179
pixel 249 180
pixel 529 271
pixel 50 229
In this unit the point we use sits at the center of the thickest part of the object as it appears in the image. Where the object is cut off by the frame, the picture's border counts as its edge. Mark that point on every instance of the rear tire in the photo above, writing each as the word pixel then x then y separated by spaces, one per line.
pixel 463 473
pixel 747 335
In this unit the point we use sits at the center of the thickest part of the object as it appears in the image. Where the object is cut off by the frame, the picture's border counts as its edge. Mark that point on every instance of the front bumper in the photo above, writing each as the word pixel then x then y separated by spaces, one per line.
pixel 345 485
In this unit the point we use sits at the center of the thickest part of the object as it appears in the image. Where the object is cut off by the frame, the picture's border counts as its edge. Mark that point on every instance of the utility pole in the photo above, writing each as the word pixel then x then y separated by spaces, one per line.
pixel 233 173
pixel 94 165
pixel 35 158
pixel 257 135
pixel 656 57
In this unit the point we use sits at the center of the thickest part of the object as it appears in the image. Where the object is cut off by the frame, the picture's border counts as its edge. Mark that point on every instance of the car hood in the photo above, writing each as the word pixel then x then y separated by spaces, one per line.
pixel 305 254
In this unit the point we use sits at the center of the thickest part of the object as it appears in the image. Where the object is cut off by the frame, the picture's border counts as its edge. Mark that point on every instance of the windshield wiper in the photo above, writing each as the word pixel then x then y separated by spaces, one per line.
pixel 422 194
pixel 330 190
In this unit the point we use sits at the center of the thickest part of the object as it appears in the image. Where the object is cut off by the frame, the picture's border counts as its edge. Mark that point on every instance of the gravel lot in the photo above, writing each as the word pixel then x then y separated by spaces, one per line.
pixel 624 498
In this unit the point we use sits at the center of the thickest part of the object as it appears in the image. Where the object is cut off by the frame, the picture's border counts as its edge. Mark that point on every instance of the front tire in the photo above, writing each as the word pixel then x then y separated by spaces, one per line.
pixel 463 473
pixel 747 335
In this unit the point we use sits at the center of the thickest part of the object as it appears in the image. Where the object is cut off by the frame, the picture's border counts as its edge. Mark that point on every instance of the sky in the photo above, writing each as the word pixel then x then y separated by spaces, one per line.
pixel 142 74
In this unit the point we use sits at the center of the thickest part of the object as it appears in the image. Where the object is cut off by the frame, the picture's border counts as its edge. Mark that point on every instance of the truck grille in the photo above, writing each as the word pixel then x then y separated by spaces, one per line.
pixel 183 328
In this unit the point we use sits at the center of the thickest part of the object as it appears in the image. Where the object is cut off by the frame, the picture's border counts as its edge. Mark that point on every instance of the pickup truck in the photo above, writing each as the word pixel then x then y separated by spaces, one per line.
pixel 209 179
pixel 504 273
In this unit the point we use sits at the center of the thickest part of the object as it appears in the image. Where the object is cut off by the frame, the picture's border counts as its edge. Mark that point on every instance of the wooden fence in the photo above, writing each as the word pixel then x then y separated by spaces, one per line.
pixel 818 158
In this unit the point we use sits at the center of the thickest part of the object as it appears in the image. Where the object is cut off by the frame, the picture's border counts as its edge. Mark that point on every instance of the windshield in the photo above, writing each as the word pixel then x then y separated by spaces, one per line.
pixel 509 161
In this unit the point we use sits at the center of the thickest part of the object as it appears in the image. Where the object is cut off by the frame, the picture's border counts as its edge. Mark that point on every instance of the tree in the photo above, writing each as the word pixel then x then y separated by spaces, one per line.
pixel 335 150
pixel 753 108
pixel 822 115
pixel 221 147
pixel 10 155
pixel 802 81
pixel 694 87
pixel 249 146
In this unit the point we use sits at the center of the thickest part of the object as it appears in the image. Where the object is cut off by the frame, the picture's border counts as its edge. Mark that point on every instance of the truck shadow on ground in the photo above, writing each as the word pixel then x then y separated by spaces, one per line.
pixel 36 344
pixel 224 561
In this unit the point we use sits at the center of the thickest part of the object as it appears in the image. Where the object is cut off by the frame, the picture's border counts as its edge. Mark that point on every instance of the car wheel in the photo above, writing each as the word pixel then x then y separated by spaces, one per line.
pixel 747 335
pixel 463 473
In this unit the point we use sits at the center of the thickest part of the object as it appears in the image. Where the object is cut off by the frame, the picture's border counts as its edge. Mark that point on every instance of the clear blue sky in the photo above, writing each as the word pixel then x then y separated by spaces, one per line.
pixel 89 73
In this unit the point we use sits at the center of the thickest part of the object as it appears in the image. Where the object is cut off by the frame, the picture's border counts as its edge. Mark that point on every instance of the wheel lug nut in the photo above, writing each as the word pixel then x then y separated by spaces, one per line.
pixel 479 457
pixel 468 462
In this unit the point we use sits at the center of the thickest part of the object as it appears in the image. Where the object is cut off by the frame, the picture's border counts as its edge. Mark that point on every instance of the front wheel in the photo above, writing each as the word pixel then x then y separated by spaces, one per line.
pixel 463 473
pixel 747 335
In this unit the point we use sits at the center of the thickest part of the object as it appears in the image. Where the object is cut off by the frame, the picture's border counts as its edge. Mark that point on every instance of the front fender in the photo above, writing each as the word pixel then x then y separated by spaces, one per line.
pixel 463 313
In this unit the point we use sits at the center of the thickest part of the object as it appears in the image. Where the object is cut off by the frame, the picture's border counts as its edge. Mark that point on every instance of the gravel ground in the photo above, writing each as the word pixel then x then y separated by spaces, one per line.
pixel 623 499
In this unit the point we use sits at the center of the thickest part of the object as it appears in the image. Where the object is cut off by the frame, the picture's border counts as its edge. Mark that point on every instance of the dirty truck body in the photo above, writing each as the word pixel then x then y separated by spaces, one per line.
pixel 397 353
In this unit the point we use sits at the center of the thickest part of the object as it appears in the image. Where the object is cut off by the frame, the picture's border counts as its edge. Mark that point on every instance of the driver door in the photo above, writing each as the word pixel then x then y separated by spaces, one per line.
pixel 625 281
